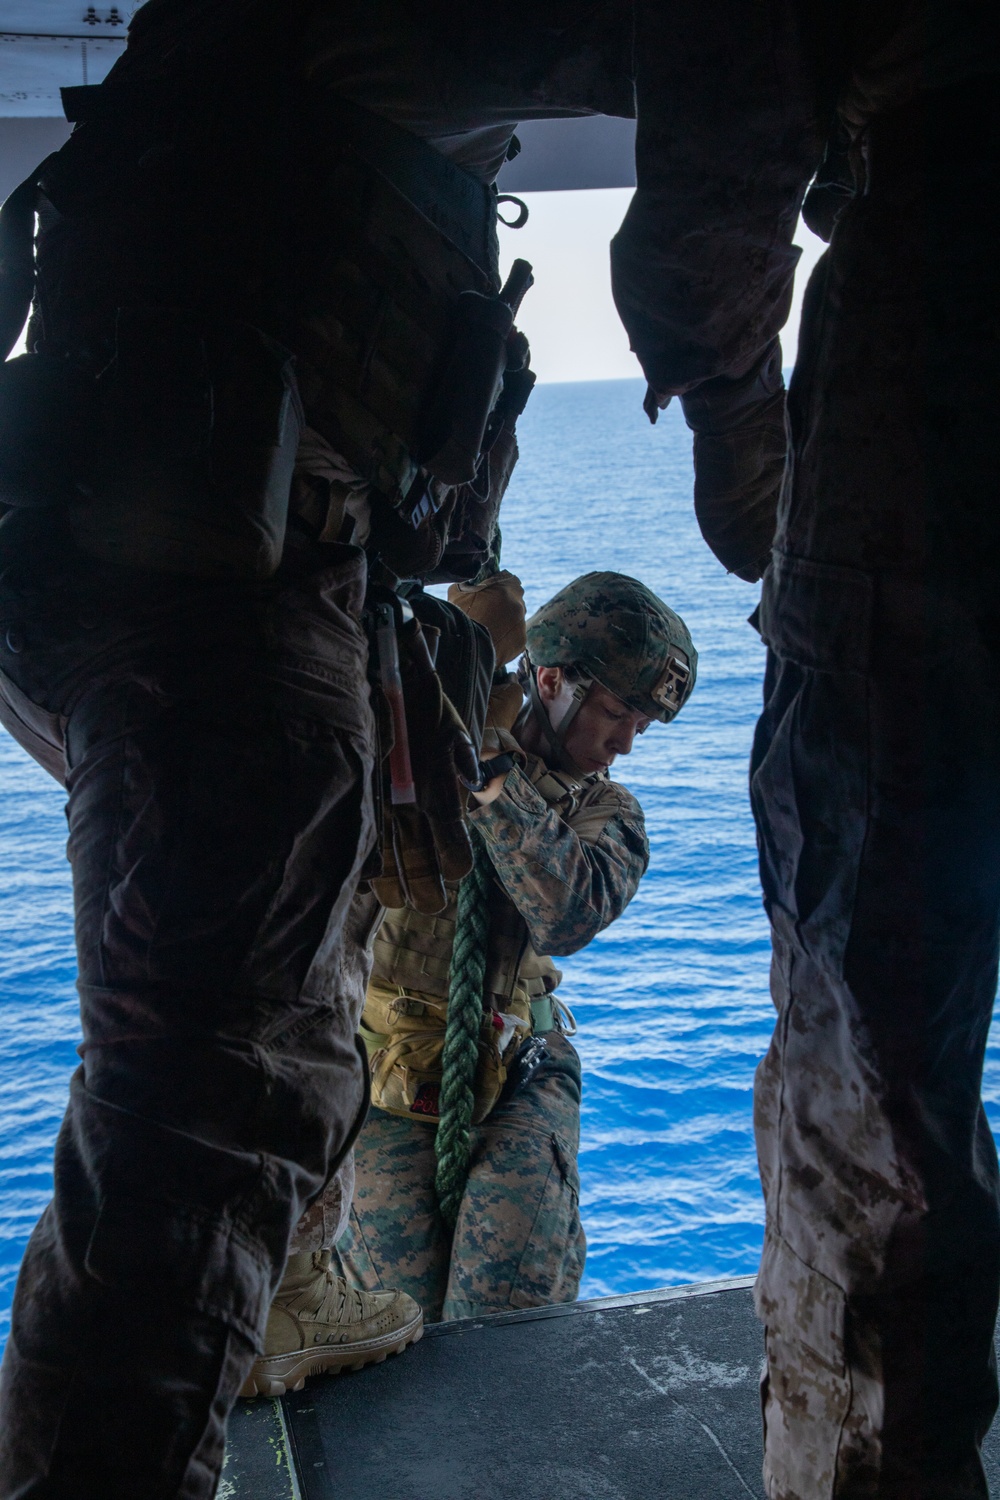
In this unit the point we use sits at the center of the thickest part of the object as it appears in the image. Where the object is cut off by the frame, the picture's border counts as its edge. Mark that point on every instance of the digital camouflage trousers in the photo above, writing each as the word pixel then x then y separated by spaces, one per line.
pixel 518 1240
pixel 216 745
pixel 876 788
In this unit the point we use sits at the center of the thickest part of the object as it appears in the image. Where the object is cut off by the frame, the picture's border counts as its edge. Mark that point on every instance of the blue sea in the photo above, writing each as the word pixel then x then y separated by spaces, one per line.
pixel 672 1001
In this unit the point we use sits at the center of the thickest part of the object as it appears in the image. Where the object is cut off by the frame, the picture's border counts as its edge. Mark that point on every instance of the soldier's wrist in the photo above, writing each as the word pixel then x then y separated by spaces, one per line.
pixel 490 791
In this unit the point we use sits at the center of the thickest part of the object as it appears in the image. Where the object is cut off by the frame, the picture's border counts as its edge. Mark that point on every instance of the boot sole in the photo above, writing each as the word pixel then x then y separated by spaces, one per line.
pixel 278 1373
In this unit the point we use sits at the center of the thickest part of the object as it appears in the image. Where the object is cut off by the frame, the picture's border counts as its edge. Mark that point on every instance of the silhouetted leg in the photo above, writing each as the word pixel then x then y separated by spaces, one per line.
pixel 876 786
pixel 218 748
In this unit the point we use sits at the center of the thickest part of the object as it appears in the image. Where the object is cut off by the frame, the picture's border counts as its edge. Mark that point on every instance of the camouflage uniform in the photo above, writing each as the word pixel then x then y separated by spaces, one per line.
pixel 876 786
pixel 568 857
pixel 326 1219
pixel 733 104
pixel 518 1241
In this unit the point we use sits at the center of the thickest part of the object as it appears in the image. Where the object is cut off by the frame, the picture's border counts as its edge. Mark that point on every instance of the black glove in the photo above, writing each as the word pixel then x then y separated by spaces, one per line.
pixel 739 462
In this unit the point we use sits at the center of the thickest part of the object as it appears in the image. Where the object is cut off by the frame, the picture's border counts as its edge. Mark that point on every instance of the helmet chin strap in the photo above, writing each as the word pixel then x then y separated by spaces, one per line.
pixel 554 737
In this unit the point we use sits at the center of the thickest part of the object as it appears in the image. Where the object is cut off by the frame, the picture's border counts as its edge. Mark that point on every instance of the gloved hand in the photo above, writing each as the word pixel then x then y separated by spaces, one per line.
pixel 497 603
pixel 500 741
pixel 506 702
pixel 500 754
pixel 425 841
pixel 739 462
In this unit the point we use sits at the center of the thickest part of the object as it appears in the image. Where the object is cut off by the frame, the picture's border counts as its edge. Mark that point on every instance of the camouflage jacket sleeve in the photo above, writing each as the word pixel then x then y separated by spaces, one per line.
pixel 726 142
pixel 569 872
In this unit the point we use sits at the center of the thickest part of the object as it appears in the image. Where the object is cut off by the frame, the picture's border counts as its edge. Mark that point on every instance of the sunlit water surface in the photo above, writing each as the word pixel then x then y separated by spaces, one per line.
pixel 672 1000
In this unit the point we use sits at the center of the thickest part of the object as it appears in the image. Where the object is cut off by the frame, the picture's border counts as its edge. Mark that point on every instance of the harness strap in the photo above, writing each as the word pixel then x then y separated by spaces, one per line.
pixel 555 739
pixel 17 260
pixel 543 1014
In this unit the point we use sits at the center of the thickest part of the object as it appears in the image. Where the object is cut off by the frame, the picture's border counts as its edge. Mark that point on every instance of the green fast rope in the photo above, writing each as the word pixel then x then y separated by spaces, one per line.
pixel 461 1039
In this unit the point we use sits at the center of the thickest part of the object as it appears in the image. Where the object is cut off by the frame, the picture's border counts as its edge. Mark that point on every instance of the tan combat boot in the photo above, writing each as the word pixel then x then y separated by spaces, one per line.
pixel 319 1323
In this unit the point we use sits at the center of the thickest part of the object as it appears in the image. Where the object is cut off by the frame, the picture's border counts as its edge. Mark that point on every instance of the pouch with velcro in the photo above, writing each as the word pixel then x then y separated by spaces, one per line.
pixel 472 530
pixel 405 1034
pixel 49 419
pixel 199 430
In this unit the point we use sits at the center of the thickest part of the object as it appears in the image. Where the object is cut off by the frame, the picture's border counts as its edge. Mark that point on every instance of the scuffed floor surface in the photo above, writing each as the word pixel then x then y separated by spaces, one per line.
pixel 627 1398
pixel 616 1399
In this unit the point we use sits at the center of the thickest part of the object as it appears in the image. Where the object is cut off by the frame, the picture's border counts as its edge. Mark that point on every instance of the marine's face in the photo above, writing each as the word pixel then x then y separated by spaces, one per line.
pixel 604 727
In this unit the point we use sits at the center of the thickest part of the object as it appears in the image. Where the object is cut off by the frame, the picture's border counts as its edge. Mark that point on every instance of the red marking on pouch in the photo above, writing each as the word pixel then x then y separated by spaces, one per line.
pixel 426 1100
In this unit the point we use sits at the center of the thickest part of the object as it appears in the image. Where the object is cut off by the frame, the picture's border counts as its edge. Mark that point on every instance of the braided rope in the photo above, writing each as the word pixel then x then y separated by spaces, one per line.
pixel 460 1056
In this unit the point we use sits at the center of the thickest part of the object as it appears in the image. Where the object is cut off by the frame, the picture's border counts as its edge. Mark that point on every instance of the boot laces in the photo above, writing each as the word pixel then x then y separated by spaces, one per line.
pixel 327 1298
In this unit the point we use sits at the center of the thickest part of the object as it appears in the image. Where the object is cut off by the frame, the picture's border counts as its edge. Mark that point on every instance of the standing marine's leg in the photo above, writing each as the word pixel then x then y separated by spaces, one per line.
pixel 218 754
pixel 876 786
pixel 320 1320
pixel 325 1220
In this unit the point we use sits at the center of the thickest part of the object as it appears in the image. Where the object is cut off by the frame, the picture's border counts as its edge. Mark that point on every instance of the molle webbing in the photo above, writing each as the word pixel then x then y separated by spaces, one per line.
pixel 375 325
pixel 413 951
pixel 460 207
pixel 367 243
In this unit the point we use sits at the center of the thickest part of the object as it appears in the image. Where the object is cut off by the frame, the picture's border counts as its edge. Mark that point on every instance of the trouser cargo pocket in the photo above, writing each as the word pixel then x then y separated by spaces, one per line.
pixel 804 1319
pixel 809 768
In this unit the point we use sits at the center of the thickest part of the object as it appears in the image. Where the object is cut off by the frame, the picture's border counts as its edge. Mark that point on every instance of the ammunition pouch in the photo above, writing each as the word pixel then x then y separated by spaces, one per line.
pixel 178 457
pixel 404 1035
pixel 466 391
pixel 201 429
pixel 472 532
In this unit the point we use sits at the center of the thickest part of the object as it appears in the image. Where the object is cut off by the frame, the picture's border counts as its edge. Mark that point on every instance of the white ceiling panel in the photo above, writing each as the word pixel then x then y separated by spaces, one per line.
pixel 64 17
pixel 33 69
pixel 46 45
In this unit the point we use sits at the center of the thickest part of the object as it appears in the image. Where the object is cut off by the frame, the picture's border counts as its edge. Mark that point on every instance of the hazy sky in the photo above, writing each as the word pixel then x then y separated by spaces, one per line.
pixel 568 315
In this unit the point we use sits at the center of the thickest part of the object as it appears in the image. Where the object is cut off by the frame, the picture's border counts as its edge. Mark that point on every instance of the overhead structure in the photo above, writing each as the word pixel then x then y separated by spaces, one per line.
pixel 47 45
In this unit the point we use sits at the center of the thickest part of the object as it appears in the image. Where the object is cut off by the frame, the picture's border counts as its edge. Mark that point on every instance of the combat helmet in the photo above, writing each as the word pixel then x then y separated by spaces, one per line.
pixel 613 630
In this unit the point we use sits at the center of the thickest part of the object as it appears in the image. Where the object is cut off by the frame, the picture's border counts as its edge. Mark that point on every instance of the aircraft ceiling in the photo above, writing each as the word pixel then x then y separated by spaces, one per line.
pixel 46 45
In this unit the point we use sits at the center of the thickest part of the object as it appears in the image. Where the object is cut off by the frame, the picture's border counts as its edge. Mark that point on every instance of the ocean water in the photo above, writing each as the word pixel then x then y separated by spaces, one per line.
pixel 672 1000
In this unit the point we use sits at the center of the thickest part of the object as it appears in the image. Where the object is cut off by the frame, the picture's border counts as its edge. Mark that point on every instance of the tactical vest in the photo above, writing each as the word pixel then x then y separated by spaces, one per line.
pixel 407 1003
pixel 195 231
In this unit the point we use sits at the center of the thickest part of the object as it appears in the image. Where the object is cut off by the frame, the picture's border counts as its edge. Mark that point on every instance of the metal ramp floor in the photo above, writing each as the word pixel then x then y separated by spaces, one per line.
pixel 647 1397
